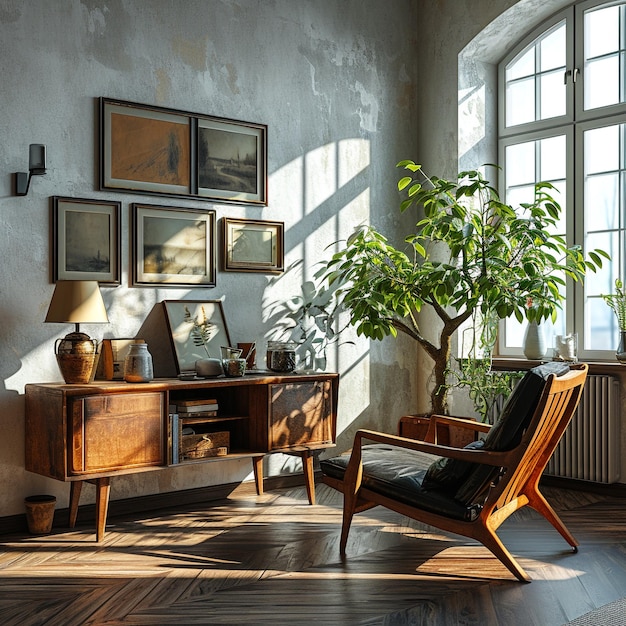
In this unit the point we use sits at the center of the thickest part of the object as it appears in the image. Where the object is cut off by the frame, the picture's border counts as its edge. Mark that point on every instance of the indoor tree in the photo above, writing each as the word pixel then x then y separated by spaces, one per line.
pixel 469 252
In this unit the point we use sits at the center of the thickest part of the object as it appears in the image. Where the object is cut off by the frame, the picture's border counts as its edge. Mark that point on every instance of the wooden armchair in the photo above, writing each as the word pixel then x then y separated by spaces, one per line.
pixel 470 491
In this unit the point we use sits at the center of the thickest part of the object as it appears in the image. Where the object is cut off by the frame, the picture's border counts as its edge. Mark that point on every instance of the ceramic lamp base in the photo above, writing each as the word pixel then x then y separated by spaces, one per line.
pixel 76 356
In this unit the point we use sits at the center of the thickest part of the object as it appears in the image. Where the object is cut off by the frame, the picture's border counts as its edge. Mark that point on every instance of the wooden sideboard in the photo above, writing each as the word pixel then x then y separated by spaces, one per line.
pixel 91 433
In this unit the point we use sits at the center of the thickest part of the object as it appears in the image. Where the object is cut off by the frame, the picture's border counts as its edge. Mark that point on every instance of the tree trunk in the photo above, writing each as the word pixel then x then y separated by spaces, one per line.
pixel 439 393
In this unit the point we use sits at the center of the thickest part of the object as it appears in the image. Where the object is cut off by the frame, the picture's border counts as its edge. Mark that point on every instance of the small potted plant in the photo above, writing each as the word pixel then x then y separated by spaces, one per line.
pixel 617 303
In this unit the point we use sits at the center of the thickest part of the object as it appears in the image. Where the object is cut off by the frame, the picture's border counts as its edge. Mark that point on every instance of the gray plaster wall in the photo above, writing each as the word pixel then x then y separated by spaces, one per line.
pixel 334 80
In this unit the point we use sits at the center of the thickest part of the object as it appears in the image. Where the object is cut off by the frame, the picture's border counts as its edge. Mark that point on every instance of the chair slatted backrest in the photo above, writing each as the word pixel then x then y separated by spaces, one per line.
pixel 552 416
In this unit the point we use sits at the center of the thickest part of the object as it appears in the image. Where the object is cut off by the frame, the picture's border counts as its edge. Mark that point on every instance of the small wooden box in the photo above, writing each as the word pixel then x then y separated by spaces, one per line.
pixel 203 445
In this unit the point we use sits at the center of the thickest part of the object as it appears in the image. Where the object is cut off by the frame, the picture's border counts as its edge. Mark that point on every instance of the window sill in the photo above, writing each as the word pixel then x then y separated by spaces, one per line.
pixel 613 368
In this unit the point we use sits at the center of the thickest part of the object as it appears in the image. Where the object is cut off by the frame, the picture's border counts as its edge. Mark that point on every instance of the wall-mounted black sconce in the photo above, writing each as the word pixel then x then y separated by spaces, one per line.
pixel 36 167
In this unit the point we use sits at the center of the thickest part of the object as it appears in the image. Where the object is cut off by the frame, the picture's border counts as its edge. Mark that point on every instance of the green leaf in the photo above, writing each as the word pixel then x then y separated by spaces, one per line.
pixel 403 183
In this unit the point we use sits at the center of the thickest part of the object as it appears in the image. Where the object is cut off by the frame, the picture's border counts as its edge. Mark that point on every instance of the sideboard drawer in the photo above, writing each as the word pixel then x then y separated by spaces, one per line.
pixel 116 432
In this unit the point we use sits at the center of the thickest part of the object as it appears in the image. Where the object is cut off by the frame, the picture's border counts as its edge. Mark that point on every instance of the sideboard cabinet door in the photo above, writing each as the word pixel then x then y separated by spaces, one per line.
pixel 116 432
pixel 300 414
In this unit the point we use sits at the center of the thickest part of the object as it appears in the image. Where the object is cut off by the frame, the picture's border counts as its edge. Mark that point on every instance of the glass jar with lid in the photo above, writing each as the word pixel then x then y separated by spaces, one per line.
pixel 281 356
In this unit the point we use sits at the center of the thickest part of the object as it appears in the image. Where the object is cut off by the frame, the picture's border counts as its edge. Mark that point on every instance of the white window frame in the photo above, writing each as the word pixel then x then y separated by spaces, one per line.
pixel 573 124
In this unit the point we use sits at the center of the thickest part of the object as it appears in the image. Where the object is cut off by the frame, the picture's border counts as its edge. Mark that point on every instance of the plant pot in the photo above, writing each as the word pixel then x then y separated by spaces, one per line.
pixel 620 353
pixel 234 367
pixel 39 514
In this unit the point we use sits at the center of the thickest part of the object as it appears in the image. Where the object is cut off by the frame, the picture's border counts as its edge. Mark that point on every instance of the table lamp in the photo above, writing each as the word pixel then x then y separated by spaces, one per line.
pixel 76 302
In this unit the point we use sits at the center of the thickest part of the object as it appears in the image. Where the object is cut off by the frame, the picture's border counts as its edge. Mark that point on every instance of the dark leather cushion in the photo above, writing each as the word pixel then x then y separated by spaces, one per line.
pixel 448 474
pixel 398 474
pixel 508 431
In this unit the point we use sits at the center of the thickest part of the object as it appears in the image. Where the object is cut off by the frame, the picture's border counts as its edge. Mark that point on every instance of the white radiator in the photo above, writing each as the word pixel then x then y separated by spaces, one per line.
pixel 589 449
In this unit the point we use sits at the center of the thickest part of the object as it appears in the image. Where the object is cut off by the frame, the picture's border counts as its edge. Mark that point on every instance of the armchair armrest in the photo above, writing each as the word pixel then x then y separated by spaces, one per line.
pixel 484 457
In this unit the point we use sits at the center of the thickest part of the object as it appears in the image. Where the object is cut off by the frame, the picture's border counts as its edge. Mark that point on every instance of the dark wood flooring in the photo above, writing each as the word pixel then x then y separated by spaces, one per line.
pixel 274 559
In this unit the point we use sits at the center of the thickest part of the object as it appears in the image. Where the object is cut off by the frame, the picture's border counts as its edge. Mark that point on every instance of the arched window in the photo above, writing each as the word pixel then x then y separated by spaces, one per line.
pixel 562 119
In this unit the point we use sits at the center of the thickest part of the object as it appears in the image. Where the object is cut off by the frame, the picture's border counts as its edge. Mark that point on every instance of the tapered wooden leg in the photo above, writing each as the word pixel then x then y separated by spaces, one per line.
pixel 541 505
pixel 492 542
pixel 103 489
pixel 257 466
pixel 307 467
pixel 75 489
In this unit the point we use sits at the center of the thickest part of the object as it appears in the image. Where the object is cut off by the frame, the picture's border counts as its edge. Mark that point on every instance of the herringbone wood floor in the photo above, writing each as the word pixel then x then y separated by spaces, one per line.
pixel 274 559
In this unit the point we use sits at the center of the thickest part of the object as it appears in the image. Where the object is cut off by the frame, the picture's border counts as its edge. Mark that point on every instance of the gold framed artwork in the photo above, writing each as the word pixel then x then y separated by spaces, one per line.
pixel 149 149
pixel 253 245
pixel 86 239
pixel 173 246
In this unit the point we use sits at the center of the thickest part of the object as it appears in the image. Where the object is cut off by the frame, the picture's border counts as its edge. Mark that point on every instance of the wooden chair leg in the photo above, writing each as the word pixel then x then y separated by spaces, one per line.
pixel 309 476
pixel 492 542
pixel 257 467
pixel 348 514
pixel 541 505
pixel 103 489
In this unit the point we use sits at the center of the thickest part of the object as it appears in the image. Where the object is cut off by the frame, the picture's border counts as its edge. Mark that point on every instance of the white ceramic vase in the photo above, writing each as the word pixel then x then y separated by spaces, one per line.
pixel 534 342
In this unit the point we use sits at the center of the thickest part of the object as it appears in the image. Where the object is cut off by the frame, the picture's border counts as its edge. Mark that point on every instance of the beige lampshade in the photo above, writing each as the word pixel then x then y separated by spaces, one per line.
pixel 77 301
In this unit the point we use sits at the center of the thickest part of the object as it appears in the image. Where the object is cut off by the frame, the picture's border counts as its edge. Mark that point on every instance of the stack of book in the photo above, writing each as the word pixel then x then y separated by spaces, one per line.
pixel 196 408
pixel 186 412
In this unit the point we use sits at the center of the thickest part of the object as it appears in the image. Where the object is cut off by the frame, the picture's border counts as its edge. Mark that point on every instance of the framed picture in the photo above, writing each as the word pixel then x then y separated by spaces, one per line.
pixel 253 245
pixel 145 148
pixel 112 355
pixel 149 149
pixel 183 316
pixel 86 240
pixel 173 246
pixel 232 161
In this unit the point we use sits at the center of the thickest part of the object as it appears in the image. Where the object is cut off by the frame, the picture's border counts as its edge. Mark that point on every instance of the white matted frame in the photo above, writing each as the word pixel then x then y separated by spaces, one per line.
pixel 253 245
pixel 86 239
pixel 173 246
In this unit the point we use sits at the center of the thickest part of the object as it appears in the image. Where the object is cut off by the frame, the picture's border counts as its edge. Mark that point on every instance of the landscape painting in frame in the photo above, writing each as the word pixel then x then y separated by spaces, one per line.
pixel 173 246
pixel 180 316
pixel 145 149
pixel 253 245
pixel 232 161
pixel 86 240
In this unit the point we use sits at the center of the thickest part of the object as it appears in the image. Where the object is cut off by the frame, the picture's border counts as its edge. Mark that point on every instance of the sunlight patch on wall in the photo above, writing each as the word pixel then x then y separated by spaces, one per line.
pixel 328 198
pixel 286 189
pixel 354 157
pixel 36 365
pixel 471 118
pixel 320 166
pixel 356 213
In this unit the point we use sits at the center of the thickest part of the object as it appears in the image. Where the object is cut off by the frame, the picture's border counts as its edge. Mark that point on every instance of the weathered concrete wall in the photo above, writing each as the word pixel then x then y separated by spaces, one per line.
pixel 334 80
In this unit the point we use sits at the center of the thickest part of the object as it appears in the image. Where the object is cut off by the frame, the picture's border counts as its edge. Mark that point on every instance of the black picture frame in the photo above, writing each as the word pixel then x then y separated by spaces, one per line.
pixel 156 150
